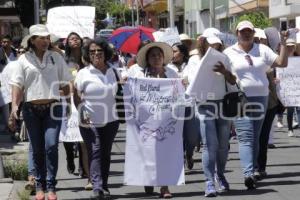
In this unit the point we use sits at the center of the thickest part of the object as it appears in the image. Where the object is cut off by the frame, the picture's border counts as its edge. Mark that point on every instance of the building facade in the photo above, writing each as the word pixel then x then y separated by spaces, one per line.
pixel 284 11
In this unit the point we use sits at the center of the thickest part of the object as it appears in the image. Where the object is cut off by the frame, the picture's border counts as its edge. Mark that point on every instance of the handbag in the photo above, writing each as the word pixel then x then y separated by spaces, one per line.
pixel 233 102
pixel 119 100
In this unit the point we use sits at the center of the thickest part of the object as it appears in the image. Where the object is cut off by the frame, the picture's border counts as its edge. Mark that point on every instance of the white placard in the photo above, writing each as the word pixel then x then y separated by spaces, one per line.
pixel 154 148
pixel 288 88
pixel 63 20
pixel 168 35
pixel 298 26
pixel 69 131
pixel 203 82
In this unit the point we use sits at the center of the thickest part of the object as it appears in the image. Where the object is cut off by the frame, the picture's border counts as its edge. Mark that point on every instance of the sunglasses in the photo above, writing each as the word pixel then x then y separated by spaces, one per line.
pixel 249 60
pixel 94 51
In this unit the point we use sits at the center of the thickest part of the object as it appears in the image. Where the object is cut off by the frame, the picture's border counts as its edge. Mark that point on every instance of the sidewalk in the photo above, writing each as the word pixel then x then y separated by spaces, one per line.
pixel 283 182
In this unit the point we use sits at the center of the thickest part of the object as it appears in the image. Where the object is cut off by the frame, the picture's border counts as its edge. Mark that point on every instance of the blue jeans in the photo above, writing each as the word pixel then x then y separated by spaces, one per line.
pixel 31 171
pixel 99 145
pixel 43 131
pixel 215 132
pixel 190 131
pixel 248 133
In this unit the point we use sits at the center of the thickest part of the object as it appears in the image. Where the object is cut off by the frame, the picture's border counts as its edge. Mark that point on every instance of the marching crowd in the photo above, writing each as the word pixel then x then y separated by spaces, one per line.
pixel 45 71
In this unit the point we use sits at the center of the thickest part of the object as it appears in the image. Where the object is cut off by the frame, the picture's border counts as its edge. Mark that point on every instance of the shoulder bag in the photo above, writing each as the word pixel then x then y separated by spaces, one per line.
pixel 234 102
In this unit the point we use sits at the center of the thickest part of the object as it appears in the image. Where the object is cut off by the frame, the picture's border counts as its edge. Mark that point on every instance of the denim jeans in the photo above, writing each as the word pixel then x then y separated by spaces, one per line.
pixel 191 135
pixel 215 132
pixel 248 130
pixel 43 131
pixel 99 144
pixel 31 171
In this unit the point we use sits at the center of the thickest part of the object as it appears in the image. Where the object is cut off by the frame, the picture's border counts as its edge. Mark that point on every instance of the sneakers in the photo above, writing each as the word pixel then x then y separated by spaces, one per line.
pixel 210 190
pixel 259 175
pixel 250 182
pixel 222 183
pixel 271 146
pixel 279 124
pixel 89 186
pixel 291 134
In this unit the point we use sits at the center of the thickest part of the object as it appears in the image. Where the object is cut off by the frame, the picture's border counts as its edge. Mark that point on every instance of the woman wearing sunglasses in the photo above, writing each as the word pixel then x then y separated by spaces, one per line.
pixel 250 61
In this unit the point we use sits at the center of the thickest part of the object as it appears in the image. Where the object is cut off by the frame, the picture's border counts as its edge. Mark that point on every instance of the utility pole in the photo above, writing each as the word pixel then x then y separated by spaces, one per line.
pixel 132 13
pixel 36 11
pixel 212 13
pixel 137 12
pixel 171 12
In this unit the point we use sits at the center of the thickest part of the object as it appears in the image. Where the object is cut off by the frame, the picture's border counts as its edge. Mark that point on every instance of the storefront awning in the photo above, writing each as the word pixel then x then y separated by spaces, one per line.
pixel 157 6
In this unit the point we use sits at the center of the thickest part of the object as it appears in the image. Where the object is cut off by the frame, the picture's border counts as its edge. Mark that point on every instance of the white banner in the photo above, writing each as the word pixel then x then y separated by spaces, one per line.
pixel 203 82
pixel 298 26
pixel 154 147
pixel 288 88
pixel 66 19
pixel 69 131
pixel 167 35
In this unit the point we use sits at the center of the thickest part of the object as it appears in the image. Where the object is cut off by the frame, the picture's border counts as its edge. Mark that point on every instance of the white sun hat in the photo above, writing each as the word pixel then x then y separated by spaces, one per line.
pixel 259 33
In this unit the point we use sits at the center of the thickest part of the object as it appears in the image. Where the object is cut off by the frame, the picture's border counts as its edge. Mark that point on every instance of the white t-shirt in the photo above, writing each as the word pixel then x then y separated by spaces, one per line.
pixel 98 92
pixel 41 80
pixel 136 71
pixel 218 89
pixel 252 78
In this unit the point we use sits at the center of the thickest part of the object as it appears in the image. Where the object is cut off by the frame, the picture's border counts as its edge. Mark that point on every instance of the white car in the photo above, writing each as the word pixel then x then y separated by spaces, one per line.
pixel 104 33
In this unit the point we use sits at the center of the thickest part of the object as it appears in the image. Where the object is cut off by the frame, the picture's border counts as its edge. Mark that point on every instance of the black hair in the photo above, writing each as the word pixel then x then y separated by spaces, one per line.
pixel 108 52
pixel 68 49
pixel 7 37
pixel 183 49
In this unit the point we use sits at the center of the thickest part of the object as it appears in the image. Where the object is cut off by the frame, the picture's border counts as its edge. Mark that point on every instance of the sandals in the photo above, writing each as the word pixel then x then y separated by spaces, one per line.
pixel 52 196
pixel 165 193
pixel 40 195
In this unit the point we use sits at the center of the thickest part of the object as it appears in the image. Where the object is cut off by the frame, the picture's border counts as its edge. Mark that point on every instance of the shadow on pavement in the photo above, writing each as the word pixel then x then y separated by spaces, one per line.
pixel 262 184
pixel 283 164
pixel 246 192
pixel 284 175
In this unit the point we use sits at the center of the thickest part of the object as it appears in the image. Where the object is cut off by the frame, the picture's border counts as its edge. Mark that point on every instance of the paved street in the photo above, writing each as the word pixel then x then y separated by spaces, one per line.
pixel 283 182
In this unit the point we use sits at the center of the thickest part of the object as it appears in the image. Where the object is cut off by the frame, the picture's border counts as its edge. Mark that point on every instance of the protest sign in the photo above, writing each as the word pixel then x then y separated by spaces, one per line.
pixel 288 88
pixel 69 131
pixel 298 26
pixel 66 19
pixel 168 35
pixel 203 82
pixel 154 148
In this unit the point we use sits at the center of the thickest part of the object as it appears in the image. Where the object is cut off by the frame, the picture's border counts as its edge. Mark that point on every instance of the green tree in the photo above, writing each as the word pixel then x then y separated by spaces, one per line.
pixel 117 10
pixel 258 19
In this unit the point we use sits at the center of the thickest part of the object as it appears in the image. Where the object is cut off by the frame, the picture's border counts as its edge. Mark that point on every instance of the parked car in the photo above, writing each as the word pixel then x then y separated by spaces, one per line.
pixel 104 33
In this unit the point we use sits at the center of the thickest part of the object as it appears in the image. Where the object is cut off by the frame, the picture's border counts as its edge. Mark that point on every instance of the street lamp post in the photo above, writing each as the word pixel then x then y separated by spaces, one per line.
pixel 212 13
pixel 36 11
pixel 171 12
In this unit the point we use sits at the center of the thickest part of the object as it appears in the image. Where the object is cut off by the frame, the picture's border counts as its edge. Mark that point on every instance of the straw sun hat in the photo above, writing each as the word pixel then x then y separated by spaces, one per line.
pixel 167 51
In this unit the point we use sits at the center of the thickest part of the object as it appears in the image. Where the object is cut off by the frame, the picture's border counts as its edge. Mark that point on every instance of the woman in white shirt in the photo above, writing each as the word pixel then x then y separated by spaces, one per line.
pixel 215 129
pixel 94 94
pixel 152 60
pixel 250 62
pixel 38 81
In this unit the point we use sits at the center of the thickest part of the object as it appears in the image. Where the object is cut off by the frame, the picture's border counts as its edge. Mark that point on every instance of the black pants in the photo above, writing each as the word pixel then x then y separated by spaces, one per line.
pixel 99 145
pixel 264 139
